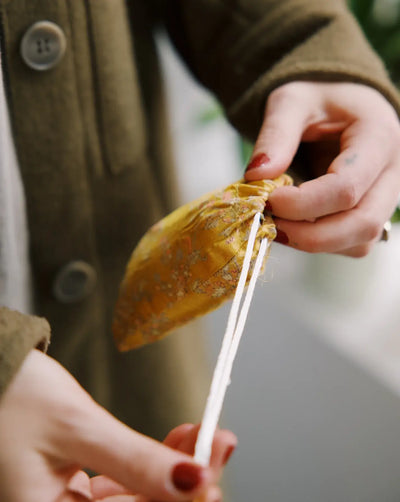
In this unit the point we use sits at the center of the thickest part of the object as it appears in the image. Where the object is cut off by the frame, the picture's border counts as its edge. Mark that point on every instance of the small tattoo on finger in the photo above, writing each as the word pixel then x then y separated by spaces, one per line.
pixel 350 160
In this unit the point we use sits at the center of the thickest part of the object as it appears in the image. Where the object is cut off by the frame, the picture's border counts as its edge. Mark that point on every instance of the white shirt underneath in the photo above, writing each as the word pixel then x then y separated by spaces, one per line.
pixel 15 289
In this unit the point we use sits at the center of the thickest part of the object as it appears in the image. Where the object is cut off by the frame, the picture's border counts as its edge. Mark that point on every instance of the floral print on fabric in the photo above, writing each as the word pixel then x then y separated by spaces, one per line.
pixel 189 263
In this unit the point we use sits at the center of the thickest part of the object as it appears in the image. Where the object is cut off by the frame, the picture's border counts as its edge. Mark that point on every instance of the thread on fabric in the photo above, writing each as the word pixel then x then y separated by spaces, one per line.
pixel 230 343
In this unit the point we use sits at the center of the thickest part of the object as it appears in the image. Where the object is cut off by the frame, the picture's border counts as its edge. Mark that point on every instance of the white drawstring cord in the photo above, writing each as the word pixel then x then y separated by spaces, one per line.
pixel 230 344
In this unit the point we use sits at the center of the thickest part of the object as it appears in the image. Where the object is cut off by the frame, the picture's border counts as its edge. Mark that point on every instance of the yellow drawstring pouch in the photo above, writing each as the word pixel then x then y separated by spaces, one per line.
pixel 189 263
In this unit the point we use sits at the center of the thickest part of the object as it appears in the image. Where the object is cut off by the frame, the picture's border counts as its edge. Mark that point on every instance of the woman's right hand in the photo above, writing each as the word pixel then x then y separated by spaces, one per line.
pixel 50 429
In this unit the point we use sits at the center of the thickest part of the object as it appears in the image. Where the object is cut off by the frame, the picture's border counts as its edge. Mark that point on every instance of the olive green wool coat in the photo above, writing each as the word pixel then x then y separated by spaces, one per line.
pixel 92 144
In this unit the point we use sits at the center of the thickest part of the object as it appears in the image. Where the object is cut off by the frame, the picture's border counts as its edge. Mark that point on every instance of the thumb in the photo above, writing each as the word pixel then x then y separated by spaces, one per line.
pixel 286 117
pixel 142 465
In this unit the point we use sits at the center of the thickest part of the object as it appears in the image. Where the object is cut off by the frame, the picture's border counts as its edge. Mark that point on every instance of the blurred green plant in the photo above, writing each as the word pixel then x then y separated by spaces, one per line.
pixel 380 21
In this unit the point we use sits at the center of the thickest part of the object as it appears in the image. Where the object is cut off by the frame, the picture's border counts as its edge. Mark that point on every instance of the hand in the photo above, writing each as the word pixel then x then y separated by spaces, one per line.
pixel 50 429
pixel 182 438
pixel 351 136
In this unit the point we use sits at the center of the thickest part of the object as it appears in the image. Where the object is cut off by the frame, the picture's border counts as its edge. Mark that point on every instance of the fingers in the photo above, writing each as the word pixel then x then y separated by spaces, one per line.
pixel 182 438
pixel 214 494
pixel 286 118
pixel 138 463
pixel 102 486
pixel 123 498
pixel 223 446
pixel 351 233
pixel 67 429
pixel 349 177
pixel 78 487
pixel 337 198
pixel 74 497
pixel 175 437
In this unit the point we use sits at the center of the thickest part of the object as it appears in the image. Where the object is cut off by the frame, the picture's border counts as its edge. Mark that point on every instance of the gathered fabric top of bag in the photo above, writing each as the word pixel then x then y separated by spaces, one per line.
pixel 189 263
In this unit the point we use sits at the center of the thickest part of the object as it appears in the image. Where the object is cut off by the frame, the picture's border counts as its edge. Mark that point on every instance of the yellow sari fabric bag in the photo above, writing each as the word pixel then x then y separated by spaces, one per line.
pixel 189 263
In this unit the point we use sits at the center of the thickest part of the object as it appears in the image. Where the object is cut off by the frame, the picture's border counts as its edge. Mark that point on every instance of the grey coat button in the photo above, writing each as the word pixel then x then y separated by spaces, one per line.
pixel 74 282
pixel 43 45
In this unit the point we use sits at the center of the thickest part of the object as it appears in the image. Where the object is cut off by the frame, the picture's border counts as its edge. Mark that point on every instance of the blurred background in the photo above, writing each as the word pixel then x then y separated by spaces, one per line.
pixel 315 394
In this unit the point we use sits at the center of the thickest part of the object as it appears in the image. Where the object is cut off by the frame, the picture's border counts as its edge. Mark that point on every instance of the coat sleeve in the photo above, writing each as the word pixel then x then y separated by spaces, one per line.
pixel 19 334
pixel 244 49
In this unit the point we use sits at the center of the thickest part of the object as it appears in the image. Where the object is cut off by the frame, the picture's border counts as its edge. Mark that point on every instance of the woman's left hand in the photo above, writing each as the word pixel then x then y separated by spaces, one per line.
pixel 182 438
pixel 352 137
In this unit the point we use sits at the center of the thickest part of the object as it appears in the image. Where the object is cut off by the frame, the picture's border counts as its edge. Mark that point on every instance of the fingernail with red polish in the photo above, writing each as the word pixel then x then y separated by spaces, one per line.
pixel 186 477
pixel 281 237
pixel 267 208
pixel 259 160
pixel 228 454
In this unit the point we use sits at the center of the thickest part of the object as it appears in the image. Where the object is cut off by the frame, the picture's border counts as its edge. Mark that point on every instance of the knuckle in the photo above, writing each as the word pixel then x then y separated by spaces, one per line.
pixel 370 227
pixel 361 251
pixel 391 126
pixel 284 94
pixel 373 230
pixel 387 136
pixel 278 94
pixel 312 244
pixel 347 195
pixel 393 132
